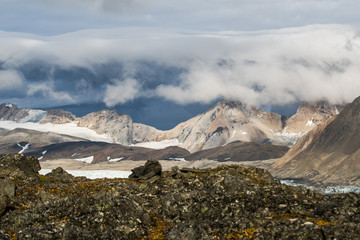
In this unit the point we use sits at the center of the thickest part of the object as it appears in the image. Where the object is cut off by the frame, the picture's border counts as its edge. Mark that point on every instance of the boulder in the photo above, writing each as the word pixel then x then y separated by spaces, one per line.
pixel 152 168
pixel 61 175
pixel 18 166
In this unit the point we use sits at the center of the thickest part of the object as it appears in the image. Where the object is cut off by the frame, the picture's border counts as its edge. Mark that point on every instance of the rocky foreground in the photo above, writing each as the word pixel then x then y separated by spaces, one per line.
pixel 229 202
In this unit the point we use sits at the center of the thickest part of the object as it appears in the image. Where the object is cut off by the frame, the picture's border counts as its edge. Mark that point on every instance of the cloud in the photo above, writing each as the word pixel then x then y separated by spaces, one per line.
pixel 121 91
pixel 45 90
pixel 10 79
pixel 268 67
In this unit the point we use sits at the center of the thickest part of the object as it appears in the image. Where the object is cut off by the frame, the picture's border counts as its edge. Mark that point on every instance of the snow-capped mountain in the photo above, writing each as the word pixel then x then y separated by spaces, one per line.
pixel 226 122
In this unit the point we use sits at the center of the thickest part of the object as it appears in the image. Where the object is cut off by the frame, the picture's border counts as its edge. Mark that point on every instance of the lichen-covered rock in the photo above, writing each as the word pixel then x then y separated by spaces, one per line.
pixel 18 166
pixel 151 169
pixel 229 202
pixel 61 175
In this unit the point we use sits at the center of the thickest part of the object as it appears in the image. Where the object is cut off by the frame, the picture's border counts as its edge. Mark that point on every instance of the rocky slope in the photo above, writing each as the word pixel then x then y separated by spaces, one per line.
pixel 229 202
pixel 240 151
pixel 332 154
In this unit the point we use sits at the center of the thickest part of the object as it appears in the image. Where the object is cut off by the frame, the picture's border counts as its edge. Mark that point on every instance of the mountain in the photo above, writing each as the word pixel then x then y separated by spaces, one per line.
pixel 230 121
pixel 226 122
pixel 116 125
pixel 330 154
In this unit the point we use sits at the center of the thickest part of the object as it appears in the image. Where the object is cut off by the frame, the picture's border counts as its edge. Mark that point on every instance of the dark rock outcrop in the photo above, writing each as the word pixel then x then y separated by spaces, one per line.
pixel 17 166
pixel 229 202
pixel 61 175
pixel 151 169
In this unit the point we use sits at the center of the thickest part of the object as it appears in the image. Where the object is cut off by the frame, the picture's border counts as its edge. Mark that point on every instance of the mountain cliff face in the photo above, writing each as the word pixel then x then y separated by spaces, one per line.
pixel 333 156
pixel 58 116
pixel 226 122
pixel 309 115
pixel 118 126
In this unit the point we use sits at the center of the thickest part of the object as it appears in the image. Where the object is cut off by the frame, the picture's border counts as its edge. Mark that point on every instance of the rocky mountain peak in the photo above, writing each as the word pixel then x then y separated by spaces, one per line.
pixel 58 116
pixel 320 107
pixel 110 122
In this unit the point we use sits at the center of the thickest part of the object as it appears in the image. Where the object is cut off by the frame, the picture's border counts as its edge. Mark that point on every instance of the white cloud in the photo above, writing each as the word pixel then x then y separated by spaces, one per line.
pixel 10 79
pixel 46 90
pixel 257 67
pixel 121 91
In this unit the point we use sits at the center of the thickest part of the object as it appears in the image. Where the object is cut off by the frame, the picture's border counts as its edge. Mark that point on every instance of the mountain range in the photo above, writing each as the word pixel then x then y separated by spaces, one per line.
pixel 227 131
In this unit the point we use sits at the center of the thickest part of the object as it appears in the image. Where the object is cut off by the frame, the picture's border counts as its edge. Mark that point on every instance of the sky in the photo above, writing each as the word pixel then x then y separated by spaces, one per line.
pixel 164 61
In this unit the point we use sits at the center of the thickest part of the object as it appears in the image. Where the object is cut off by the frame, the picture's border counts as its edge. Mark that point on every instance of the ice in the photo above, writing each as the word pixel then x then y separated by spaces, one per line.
pixel 34 116
pixel 23 148
pixel 86 159
pixel 93 174
pixel 158 145
pixel 71 129
pixel 326 190
pixel 289 137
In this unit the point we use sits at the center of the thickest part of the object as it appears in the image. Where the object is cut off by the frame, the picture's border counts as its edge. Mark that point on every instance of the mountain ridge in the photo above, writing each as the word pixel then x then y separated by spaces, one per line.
pixel 225 122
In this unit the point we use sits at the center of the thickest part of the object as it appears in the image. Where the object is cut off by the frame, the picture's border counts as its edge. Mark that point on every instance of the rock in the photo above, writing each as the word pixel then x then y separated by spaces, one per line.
pixel 116 125
pixel 60 174
pixel 228 202
pixel 4 201
pixel 7 188
pixel 152 168
pixel 7 193
pixel 19 166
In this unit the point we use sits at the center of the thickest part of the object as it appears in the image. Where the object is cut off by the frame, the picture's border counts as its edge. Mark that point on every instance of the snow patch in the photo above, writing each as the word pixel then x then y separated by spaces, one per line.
pixel 310 123
pixel 158 145
pixel 244 133
pixel 26 147
pixel 336 111
pixel 178 159
pixel 43 154
pixel 93 174
pixel 86 159
pixel 115 159
pixel 9 105
pixel 71 129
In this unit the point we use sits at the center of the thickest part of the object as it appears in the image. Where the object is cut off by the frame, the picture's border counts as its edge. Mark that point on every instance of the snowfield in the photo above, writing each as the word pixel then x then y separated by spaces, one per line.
pixel 93 174
pixel 158 145
pixel 71 129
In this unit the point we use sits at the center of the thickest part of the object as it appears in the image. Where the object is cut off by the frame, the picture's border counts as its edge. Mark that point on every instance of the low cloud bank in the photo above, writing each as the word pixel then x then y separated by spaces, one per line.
pixel 274 67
